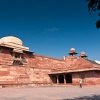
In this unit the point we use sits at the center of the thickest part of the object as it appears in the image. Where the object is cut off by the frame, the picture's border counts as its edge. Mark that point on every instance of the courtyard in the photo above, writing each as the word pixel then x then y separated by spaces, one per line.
pixel 51 93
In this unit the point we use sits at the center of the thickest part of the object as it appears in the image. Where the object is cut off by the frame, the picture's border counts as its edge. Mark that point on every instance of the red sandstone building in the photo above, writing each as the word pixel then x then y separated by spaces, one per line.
pixel 19 66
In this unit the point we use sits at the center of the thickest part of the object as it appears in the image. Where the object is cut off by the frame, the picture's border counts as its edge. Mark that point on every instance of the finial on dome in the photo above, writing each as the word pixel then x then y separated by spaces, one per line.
pixel 72 51
pixel 83 54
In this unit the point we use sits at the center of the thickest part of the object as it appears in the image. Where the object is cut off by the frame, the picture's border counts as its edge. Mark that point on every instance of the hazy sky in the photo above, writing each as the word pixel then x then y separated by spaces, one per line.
pixel 51 27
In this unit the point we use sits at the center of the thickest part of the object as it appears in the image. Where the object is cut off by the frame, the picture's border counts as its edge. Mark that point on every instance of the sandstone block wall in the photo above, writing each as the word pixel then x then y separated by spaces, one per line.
pixel 36 69
pixel 88 77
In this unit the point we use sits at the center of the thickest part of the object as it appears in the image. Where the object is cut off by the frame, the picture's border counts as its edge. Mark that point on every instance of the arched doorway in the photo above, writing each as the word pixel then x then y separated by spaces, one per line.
pixel 61 79
pixel 68 78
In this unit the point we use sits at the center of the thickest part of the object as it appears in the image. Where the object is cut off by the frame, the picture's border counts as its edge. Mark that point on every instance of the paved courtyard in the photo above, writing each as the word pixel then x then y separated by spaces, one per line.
pixel 51 93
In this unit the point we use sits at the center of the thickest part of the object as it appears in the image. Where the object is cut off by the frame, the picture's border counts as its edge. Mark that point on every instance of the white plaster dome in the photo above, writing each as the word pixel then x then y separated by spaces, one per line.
pixel 1 41
pixel 11 39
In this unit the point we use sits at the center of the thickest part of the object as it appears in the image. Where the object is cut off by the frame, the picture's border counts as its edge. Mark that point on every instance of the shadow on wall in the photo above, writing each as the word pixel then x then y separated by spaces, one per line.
pixel 94 97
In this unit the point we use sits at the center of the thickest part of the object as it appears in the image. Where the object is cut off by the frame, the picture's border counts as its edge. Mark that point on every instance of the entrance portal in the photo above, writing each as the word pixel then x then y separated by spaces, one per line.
pixel 61 79
pixel 68 78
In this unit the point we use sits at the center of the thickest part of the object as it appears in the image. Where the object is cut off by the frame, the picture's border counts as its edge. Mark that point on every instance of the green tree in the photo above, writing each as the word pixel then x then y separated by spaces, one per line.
pixel 94 5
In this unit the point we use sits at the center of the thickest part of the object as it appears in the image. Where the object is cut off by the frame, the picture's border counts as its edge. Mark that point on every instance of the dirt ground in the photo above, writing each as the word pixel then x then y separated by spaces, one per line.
pixel 51 93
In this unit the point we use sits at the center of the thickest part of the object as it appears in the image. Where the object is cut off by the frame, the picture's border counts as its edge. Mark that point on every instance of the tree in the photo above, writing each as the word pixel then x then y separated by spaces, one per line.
pixel 94 5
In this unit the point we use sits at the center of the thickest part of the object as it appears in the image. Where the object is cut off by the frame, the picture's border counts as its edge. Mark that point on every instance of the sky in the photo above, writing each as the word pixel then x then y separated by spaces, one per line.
pixel 51 27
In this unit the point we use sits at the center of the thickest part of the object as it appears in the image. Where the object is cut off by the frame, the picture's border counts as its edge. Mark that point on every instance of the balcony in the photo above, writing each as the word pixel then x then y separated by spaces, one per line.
pixel 17 59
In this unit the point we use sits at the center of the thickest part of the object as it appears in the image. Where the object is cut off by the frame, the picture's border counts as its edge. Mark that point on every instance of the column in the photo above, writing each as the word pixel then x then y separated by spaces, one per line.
pixel 57 79
pixel 13 55
pixel 64 78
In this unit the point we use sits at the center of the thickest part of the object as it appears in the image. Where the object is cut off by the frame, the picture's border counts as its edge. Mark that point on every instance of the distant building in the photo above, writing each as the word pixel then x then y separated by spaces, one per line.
pixel 21 67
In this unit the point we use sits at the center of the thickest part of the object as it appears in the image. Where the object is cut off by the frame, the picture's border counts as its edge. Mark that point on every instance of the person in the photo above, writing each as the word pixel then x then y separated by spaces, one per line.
pixel 80 81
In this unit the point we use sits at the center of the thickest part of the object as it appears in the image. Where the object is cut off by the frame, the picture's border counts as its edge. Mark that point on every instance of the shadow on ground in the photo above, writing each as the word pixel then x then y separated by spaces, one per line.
pixel 94 97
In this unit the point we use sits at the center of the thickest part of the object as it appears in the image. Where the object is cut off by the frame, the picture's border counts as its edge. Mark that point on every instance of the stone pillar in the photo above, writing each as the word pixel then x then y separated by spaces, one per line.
pixel 64 78
pixel 20 56
pixel 13 55
pixel 57 79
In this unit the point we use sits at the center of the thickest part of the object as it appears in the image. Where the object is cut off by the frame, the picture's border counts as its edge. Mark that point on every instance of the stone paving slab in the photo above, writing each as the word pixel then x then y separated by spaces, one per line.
pixel 51 93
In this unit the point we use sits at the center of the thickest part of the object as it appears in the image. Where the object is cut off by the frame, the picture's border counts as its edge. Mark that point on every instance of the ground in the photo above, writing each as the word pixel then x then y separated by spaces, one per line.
pixel 51 93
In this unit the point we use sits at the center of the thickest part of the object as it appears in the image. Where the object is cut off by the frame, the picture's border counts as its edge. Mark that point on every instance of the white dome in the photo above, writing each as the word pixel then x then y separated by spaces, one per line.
pixel 11 39
pixel 82 52
pixel 72 49
pixel 1 41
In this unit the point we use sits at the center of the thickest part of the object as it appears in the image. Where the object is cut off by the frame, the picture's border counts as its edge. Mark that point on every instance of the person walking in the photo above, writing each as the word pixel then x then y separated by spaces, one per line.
pixel 80 81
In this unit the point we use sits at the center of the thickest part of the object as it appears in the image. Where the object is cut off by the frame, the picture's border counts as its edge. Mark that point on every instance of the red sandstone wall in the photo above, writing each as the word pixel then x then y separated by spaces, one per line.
pixel 89 78
pixel 5 57
pixel 41 76
pixel 43 66
pixel 46 62
pixel 92 78
pixel 35 71
pixel 76 63
pixel 37 68
pixel 14 75
pixel 10 74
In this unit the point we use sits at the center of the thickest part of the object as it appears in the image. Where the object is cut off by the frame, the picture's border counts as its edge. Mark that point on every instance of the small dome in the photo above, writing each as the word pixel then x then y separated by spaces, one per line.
pixel 11 39
pixel 72 51
pixel 83 54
